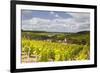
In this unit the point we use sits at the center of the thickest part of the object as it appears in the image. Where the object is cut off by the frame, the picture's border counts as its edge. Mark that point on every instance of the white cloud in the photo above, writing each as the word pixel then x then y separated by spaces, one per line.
pixel 80 17
pixel 78 22
pixel 51 12
pixel 54 14
pixel 26 11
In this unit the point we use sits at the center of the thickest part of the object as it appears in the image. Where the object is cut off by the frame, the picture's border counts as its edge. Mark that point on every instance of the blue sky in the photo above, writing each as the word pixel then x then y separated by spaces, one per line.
pixel 28 14
pixel 55 21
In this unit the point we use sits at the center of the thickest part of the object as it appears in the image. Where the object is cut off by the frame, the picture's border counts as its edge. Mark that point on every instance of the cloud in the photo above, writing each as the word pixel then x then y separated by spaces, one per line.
pixel 78 22
pixel 51 12
pixel 26 14
pixel 54 14
pixel 26 11
pixel 80 17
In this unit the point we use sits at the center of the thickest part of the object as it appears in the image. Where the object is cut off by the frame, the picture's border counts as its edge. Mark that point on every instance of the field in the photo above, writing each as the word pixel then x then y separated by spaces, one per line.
pixel 48 46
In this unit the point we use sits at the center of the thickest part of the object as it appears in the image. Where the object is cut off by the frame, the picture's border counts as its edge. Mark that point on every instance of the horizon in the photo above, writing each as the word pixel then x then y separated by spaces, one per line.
pixel 52 32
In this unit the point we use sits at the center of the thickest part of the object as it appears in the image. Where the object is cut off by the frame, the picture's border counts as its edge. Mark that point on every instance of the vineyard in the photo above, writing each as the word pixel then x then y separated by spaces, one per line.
pixel 48 51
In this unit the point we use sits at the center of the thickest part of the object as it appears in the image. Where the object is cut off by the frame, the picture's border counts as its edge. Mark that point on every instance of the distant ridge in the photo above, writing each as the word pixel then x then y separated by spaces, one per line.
pixel 83 32
pixel 80 32
pixel 33 31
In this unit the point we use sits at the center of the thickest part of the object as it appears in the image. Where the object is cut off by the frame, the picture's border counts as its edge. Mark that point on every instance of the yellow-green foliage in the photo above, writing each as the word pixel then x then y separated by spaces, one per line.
pixel 51 51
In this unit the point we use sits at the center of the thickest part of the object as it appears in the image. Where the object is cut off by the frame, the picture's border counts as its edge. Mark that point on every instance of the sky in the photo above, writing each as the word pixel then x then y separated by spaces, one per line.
pixel 55 21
